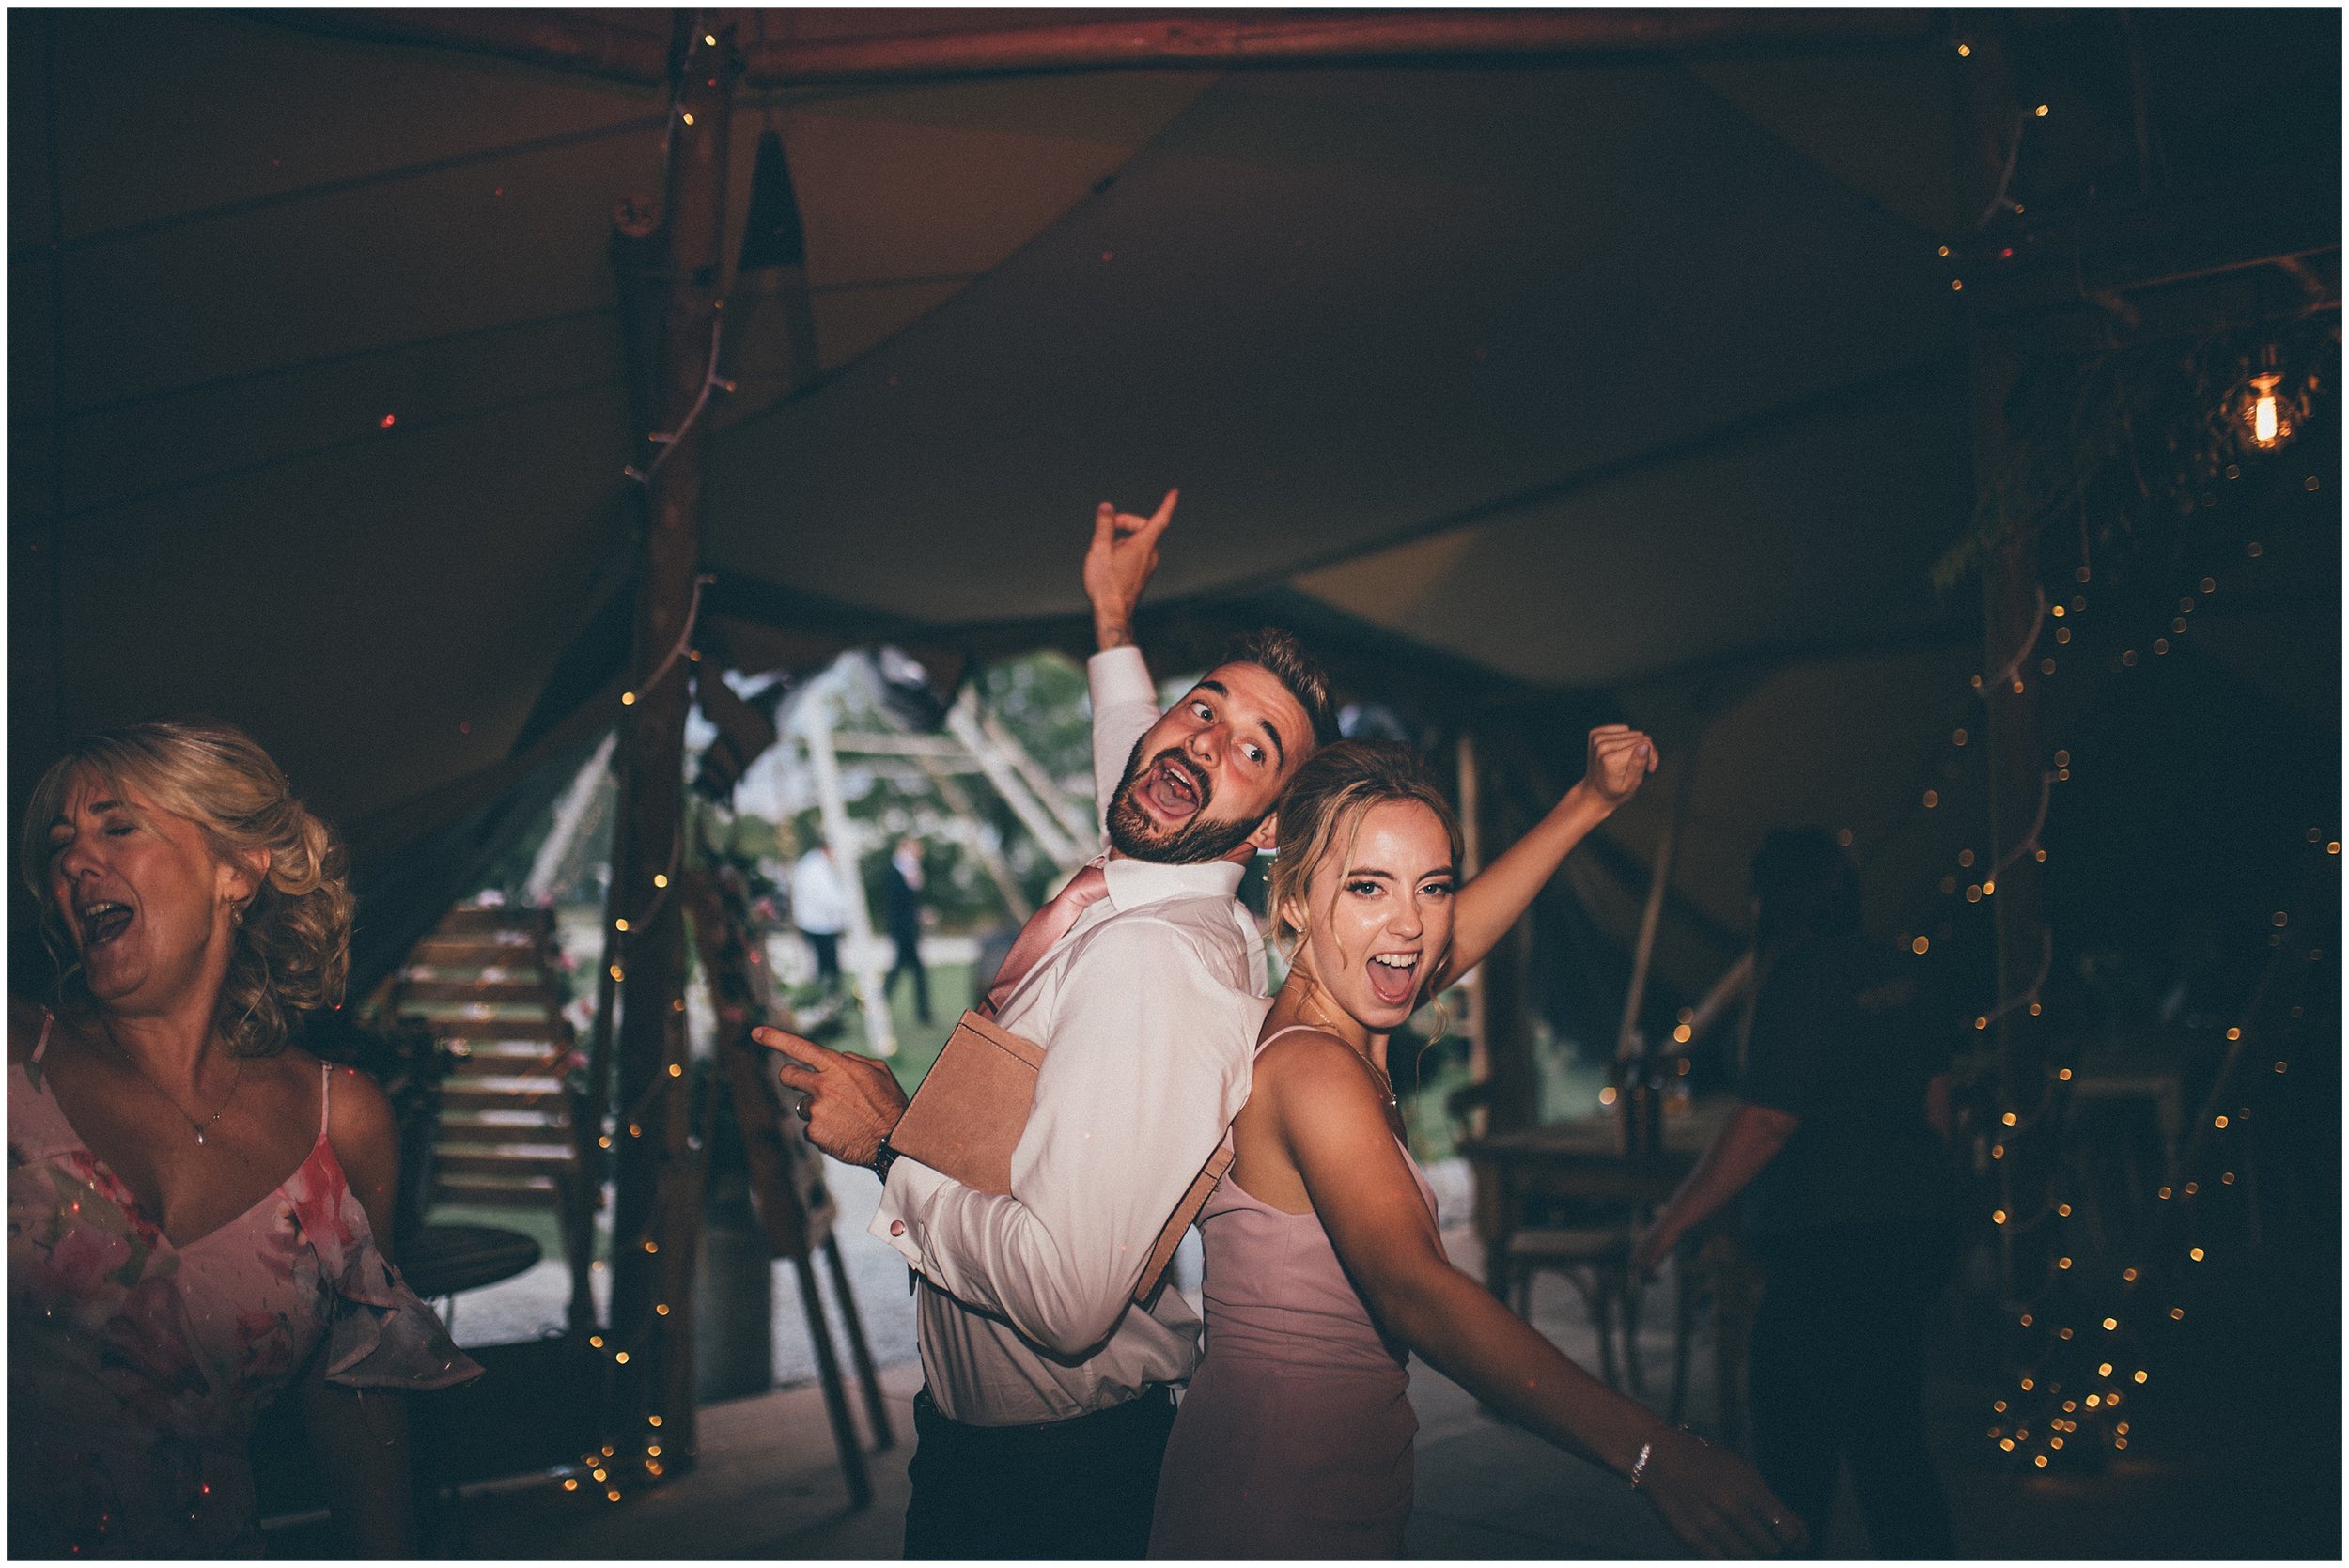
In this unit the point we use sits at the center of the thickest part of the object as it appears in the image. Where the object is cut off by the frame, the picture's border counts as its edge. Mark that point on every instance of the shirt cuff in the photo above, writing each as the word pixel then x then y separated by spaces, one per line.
pixel 905 1204
pixel 1119 676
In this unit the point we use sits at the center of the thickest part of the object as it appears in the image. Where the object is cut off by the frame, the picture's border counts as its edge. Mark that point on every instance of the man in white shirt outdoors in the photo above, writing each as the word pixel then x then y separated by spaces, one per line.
pixel 1047 1393
pixel 819 908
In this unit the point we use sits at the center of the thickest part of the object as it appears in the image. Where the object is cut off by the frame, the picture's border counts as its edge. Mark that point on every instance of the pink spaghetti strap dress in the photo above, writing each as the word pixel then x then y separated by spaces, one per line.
pixel 137 1367
pixel 1294 1439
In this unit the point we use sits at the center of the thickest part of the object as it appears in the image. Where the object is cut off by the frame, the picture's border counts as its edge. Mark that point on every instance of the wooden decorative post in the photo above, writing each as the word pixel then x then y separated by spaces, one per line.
pixel 1652 912
pixel 669 259
pixel 1508 1003
pixel 1473 861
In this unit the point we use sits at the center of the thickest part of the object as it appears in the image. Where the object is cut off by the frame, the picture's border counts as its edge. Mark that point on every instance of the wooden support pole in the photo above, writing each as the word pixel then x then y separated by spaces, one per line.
pixel 1473 861
pixel 860 1353
pixel 671 259
pixel 1652 914
pixel 614 46
pixel 1730 988
pixel 1515 1098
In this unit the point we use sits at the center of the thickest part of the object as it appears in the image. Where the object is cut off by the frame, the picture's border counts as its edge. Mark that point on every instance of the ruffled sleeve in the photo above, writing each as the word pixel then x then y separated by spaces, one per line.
pixel 380 1334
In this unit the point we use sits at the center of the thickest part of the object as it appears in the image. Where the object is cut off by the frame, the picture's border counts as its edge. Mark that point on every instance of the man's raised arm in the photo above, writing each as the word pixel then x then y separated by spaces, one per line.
pixel 1118 565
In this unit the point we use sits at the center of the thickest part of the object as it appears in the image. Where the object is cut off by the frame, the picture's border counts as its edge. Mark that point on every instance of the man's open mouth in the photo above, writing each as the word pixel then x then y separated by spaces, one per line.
pixel 1173 791
pixel 101 923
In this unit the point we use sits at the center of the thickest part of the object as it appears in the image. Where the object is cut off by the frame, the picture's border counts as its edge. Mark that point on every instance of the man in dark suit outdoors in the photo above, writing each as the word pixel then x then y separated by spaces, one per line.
pixel 905 924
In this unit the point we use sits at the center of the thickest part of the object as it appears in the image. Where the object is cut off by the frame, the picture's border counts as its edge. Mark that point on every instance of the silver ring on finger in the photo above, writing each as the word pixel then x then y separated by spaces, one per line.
pixel 805 1103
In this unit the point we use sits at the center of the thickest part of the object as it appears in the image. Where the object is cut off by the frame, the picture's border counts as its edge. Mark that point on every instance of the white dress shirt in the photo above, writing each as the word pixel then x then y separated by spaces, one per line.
pixel 819 905
pixel 1147 1011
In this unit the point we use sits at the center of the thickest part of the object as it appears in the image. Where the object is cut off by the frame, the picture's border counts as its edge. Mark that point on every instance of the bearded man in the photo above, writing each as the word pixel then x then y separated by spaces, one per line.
pixel 1048 1394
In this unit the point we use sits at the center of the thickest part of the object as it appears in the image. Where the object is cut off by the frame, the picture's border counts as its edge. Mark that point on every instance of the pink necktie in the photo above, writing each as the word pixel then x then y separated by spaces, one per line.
pixel 1045 927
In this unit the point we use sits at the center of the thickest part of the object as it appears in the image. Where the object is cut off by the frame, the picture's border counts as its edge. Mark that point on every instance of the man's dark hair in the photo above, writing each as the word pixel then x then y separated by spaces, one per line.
pixel 1284 658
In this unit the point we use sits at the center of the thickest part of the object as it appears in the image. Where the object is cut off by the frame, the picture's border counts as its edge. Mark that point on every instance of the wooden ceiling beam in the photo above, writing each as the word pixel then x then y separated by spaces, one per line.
pixel 1224 42
pixel 581 42
pixel 602 45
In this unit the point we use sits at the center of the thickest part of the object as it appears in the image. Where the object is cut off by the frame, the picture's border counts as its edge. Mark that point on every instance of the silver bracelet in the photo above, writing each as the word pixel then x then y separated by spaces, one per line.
pixel 1647 1452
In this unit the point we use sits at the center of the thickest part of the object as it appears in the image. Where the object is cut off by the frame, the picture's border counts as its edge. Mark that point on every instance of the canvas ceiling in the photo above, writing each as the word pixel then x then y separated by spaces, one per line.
pixel 1589 374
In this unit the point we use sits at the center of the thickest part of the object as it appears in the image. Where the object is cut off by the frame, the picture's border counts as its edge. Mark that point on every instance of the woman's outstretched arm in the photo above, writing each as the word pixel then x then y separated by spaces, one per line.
pixel 1334 1126
pixel 1490 902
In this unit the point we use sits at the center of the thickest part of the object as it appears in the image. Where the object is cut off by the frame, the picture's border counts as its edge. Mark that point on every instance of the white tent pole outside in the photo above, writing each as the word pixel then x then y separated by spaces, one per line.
pixel 569 814
pixel 962 718
pixel 863 955
pixel 1079 823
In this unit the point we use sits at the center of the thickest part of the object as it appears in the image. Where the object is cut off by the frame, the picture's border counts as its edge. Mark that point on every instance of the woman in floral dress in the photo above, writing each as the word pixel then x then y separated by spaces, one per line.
pixel 195 1206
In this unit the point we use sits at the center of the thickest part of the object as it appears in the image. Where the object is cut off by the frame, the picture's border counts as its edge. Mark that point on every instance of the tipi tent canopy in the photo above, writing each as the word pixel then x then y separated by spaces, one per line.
pixel 1599 355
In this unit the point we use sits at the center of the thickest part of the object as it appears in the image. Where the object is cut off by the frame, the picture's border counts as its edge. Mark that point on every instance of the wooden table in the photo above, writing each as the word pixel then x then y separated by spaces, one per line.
pixel 1582 1158
pixel 1581 1161
pixel 442 1260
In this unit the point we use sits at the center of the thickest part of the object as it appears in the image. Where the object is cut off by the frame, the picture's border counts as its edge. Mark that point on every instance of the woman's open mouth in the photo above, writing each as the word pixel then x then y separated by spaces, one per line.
pixel 101 923
pixel 1393 977
pixel 1172 792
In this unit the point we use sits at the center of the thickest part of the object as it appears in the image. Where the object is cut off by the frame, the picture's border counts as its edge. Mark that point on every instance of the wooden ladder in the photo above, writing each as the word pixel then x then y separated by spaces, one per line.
pixel 487 983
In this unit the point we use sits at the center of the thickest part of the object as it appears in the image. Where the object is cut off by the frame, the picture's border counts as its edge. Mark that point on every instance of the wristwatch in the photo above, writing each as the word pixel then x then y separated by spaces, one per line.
pixel 883 1157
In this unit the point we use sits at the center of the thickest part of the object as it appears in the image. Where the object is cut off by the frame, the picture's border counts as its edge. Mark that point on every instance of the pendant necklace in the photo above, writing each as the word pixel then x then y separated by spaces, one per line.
pixel 193 1125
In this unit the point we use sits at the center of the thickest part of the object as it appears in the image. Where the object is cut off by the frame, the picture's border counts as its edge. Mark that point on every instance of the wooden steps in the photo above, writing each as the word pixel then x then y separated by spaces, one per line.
pixel 487 983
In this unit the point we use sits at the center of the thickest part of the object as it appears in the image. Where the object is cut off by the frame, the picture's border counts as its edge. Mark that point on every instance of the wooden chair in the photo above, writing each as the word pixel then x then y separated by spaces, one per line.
pixel 1596 1260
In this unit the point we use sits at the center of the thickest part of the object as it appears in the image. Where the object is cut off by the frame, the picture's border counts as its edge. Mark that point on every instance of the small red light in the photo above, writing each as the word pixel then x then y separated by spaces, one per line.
pixel 2006 252
pixel 387 422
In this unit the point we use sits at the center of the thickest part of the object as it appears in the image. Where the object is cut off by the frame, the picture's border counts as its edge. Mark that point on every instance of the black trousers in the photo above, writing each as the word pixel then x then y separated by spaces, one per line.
pixel 1836 1374
pixel 827 946
pixel 910 961
pixel 1078 1488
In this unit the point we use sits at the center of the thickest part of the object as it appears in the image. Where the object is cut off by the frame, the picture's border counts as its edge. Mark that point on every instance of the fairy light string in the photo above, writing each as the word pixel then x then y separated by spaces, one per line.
pixel 2094 1329
pixel 599 1473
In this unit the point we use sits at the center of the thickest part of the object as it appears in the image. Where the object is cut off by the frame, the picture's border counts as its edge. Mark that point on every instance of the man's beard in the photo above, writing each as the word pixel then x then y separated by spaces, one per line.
pixel 1196 842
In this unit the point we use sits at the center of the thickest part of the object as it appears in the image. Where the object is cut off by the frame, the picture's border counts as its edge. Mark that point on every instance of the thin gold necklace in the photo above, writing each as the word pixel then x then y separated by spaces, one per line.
pixel 198 1127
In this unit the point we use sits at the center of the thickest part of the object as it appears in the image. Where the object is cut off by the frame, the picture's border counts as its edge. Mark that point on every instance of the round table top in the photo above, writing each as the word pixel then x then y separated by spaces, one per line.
pixel 443 1260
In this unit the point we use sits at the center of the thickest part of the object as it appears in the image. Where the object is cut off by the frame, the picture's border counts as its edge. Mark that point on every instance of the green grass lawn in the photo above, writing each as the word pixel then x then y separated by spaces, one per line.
pixel 918 1044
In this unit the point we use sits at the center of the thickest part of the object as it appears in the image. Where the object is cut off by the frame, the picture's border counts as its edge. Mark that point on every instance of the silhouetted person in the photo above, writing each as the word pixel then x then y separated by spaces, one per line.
pixel 905 924
pixel 1837 1145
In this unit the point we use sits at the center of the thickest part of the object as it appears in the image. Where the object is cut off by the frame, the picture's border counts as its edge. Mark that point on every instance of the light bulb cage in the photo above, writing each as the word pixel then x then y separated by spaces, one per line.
pixel 2268 377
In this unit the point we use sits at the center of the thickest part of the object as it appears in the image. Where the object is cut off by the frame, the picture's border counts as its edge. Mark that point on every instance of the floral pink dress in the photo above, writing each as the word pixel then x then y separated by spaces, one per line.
pixel 137 1368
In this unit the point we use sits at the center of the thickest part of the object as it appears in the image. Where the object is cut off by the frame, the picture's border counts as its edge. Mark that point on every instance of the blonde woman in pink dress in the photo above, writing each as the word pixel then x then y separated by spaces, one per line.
pixel 1325 1269
pixel 196 1207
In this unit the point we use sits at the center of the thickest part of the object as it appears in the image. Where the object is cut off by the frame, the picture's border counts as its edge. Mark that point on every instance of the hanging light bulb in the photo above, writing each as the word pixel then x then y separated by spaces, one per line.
pixel 2261 410
pixel 2268 426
